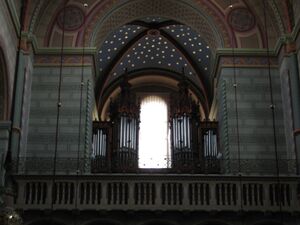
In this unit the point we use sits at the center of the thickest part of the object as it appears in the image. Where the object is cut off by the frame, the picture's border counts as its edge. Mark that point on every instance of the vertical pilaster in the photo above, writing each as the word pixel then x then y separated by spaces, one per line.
pixel 291 97
pixel 4 139
pixel 17 112
pixel 295 96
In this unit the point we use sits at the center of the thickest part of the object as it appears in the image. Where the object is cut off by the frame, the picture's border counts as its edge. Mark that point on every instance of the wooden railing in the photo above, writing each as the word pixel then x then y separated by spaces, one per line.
pixel 157 192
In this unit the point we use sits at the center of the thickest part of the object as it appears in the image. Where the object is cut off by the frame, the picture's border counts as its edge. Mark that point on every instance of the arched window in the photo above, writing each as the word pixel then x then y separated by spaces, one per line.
pixel 154 149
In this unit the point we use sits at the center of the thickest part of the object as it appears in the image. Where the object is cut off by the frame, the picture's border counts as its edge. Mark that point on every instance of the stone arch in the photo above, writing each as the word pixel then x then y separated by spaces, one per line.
pixel 180 11
pixel 3 87
pixel 166 81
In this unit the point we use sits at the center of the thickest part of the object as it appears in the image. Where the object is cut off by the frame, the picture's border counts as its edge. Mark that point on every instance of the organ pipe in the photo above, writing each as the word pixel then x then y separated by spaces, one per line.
pixel 124 113
pixel 184 116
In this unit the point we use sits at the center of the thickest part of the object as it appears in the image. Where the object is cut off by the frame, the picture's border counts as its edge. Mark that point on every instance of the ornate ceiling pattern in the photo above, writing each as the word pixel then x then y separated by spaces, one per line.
pixel 171 48
pixel 221 23
pixel 162 35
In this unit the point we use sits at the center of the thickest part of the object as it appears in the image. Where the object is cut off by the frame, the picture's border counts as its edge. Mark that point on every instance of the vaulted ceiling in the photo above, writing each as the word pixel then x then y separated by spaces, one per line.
pixel 179 37
pixel 243 22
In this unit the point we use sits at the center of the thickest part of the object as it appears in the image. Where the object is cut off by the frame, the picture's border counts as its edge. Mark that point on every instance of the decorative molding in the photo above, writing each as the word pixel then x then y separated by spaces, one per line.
pixel 14 15
pixel 241 19
pixel 181 11
pixel 242 61
pixel 35 16
pixel 73 16
pixel 88 127
pixel 290 47
pixel 68 60
pixel 225 125
pixel 277 16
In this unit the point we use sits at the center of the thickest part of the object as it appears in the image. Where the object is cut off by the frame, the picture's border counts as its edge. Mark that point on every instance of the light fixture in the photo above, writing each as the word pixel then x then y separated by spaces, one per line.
pixel 8 216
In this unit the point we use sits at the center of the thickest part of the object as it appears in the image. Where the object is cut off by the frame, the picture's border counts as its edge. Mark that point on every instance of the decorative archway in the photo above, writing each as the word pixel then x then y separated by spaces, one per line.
pixel 180 11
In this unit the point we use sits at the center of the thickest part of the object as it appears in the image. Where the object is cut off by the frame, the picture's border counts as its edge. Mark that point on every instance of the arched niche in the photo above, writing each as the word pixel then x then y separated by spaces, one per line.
pixel 153 83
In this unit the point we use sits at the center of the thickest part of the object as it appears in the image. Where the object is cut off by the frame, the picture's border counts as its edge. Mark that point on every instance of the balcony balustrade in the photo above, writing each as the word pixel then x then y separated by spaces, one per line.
pixel 158 192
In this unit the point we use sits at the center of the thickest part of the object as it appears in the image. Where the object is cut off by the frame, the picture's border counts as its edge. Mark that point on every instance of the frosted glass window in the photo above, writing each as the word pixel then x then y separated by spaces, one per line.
pixel 154 149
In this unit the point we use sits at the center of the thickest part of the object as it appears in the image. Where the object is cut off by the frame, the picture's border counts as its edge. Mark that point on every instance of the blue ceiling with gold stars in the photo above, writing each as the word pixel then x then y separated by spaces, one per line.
pixel 156 43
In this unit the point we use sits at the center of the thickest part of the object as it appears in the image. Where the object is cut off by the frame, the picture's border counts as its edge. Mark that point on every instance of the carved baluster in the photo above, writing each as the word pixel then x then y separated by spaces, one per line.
pixel 29 193
pixel 34 193
pixel 66 198
pixel 192 194
pixel 212 195
pixel 239 193
pixel 69 200
pixel 124 193
pixel 266 196
pixel 48 197
pixel 131 197
pixel 63 185
pixel 141 191
pixel 138 193
pixel 158 192
pixel 178 193
pixel 170 195
pixel 185 196
pixel 96 186
pixel 39 190
pixel 282 195
pixel 84 186
pixel 294 199
pixel 92 193
pixel 150 194
pixel 104 193
pixel 254 194
pixel 248 193
pixel 221 194
pixel 146 193
pixel 116 194
pixel 230 193
pixel 226 202
pixel 205 199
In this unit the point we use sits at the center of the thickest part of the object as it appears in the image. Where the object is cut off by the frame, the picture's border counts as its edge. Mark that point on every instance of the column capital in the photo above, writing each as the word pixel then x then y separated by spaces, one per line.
pixel 290 47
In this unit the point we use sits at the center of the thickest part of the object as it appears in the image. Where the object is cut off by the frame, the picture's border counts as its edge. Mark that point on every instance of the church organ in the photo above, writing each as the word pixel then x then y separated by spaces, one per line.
pixel 194 143
pixel 100 158
pixel 124 113
pixel 184 122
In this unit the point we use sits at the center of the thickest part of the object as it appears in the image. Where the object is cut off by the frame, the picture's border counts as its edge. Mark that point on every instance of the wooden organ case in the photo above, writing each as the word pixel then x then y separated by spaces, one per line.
pixel 184 124
pixel 124 115
pixel 193 140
